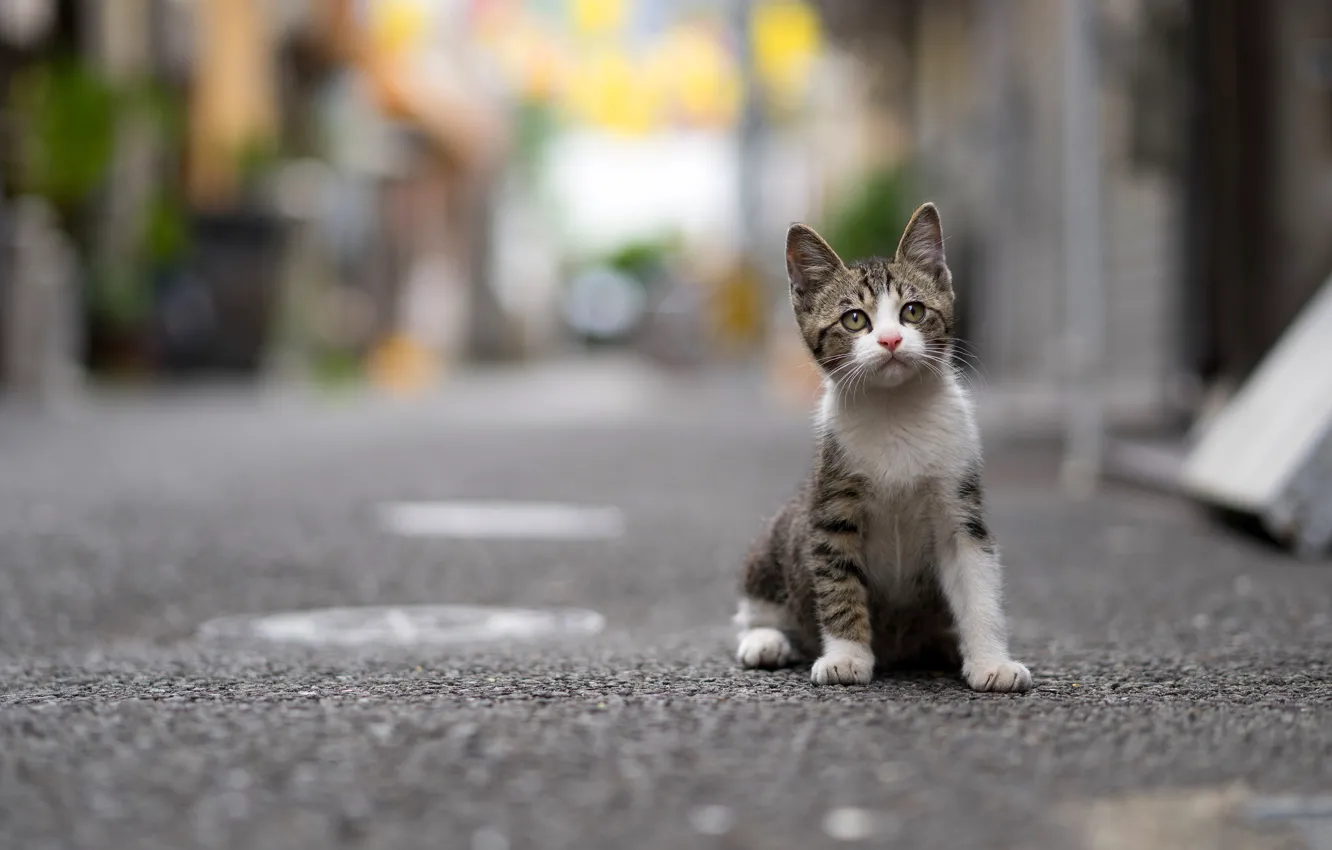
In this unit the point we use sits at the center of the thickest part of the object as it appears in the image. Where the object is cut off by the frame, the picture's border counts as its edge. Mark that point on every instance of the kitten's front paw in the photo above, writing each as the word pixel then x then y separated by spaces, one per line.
pixel 764 648
pixel 1004 676
pixel 844 664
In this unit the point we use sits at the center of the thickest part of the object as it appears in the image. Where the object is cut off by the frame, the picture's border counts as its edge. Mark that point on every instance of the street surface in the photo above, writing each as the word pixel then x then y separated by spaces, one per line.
pixel 1182 669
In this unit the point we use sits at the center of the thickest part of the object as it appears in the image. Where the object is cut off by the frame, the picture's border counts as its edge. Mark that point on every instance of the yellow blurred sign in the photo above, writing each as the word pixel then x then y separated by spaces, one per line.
pixel 597 17
pixel 702 78
pixel 399 26
pixel 402 366
pixel 599 75
pixel 737 309
pixel 607 88
pixel 533 60
pixel 787 38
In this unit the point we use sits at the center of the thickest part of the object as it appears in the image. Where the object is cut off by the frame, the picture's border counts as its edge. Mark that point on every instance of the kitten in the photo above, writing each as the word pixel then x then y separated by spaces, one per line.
pixel 884 554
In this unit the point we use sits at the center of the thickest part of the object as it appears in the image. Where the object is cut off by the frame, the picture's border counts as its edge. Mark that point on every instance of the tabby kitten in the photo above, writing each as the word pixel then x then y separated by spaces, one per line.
pixel 884 554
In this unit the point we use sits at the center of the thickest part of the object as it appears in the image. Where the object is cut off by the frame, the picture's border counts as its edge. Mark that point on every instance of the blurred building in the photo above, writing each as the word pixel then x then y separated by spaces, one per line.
pixel 1216 173
pixel 400 184
pixel 242 180
pixel 393 186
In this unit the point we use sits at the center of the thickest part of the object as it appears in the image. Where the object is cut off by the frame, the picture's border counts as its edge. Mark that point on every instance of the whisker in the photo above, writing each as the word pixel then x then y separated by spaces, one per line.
pixel 944 367
pixel 852 378
pixel 828 361
pixel 841 376
pixel 844 367
pixel 849 361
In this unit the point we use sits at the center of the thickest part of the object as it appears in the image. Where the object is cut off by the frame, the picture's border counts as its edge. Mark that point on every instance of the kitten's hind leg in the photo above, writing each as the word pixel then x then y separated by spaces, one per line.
pixel 763 641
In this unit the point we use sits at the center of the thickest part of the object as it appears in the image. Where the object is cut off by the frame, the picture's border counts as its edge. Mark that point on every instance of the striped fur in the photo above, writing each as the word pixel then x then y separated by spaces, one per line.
pixel 883 557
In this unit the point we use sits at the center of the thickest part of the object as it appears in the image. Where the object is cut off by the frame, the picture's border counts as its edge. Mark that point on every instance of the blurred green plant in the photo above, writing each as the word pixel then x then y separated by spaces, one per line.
pixel 334 369
pixel 67 118
pixel 868 220
pixel 166 233
pixel 535 125
pixel 119 294
pixel 255 163
pixel 642 259
pixel 122 291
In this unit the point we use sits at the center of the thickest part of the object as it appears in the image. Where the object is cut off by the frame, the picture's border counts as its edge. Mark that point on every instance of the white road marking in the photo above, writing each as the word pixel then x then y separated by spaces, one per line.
pixel 849 823
pixel 489 838
pixel 712 820
pixel 502 520
pixel 405 625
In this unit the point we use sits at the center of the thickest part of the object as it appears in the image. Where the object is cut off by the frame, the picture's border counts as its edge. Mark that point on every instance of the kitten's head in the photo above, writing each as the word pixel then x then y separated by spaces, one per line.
pixel 875 322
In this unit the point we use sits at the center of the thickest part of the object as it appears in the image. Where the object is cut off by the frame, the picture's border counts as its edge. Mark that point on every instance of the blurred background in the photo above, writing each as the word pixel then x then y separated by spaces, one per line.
pixel 397 329
pixel 384 192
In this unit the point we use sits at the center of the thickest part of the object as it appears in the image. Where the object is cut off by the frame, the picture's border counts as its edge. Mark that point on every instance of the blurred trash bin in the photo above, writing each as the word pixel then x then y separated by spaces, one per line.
pixel 217 314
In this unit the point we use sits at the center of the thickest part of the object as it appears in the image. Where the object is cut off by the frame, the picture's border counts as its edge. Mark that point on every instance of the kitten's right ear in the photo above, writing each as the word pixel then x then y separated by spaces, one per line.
pixel 810 262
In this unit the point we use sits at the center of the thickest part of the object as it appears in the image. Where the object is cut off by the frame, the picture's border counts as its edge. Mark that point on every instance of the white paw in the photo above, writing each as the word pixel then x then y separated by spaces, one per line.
pixel 764 648
pixel 843 663
pixel 1003 676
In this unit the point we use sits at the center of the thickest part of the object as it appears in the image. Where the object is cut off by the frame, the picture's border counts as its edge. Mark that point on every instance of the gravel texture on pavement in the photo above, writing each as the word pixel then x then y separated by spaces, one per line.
pixel 1171 655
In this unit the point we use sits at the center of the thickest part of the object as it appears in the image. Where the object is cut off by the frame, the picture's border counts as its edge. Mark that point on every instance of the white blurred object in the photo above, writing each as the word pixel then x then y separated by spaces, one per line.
pixel 358 138
pixel 525 268
pixel 604 304
pixel 1084 300
pixel 712 820
pixel 850 823
pixel 433 309
pixel 41 309
pixel 304 188
pixel 25 22
pixel 611 189
pixel 1268 452
pixel 406 625
pixel 502 520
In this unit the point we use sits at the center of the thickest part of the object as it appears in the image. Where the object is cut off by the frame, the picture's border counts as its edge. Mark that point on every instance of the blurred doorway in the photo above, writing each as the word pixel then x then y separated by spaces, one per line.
pixel 1260 181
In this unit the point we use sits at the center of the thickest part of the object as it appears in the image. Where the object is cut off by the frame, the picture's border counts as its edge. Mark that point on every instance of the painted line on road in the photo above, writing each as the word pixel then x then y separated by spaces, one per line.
pixel 497 520
pixel 403 625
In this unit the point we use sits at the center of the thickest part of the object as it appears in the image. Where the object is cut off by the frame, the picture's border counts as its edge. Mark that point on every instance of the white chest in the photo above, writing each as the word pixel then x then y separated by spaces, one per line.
pixel 909 448
pixel 899 537
pixel 902 440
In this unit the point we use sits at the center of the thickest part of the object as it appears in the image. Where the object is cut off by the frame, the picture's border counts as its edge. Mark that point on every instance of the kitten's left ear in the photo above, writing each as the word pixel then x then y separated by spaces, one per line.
pixel 922 244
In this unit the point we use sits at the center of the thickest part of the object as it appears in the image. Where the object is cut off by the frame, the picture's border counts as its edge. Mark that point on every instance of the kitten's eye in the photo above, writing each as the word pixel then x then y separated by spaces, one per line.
pixel 913 312
pixel 855 320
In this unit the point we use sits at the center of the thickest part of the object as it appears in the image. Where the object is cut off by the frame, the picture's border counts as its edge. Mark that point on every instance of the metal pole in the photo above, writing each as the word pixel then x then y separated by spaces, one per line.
pixel 1082 249
pixel 992 45
pixel 750 142
pixel 7 270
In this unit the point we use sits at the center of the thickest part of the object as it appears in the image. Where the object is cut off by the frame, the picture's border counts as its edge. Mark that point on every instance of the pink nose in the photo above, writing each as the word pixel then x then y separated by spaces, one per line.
pixel 890 340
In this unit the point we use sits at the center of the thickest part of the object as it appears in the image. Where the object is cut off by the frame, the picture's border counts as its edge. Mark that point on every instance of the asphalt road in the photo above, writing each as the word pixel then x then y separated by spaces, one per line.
pixel 1182 670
